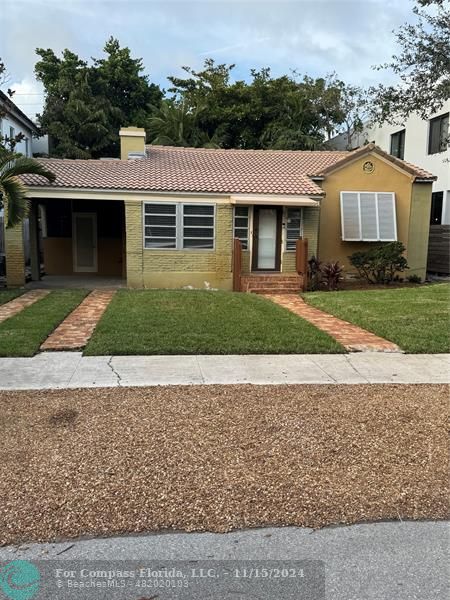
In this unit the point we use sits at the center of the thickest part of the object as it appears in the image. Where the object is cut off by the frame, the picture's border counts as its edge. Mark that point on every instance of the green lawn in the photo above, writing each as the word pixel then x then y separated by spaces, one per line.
pixel 22 334
pixel 416 318
pixel 7 295
pixel 202 322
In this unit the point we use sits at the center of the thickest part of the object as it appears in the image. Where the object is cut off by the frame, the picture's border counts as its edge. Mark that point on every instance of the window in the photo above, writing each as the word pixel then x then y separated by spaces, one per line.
pixel 241 225
pixel 178 226
pixel 398 144
pixel 160 225
pixel 198 226
pixel 437 201
pixel 438 134
pixel 368 216
pixel 12 133
pixel 293 227
pixel 27 147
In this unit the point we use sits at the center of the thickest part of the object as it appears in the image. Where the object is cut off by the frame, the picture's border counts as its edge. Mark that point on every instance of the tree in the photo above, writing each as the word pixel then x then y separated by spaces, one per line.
pixel 12 190
pixel 355 109
pixel 422 65
pixel 86 105
pixel 281 113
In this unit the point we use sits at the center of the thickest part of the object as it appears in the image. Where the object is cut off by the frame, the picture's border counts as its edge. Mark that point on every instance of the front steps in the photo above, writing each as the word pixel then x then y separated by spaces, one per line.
pixel 271 283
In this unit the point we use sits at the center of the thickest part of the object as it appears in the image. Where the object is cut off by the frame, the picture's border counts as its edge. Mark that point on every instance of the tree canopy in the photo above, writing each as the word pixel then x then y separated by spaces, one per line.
pixel 86 104
pixel 422 65
pixel 207 108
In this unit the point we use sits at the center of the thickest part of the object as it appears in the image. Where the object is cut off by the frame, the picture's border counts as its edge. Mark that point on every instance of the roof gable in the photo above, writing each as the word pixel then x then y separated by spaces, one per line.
pixel 418 173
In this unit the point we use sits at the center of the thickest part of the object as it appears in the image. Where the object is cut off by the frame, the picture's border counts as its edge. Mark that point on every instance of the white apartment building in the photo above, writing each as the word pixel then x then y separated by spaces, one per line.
pixel 424 143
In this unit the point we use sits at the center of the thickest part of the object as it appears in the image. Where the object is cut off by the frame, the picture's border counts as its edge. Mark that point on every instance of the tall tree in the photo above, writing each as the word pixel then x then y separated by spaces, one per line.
pixel 86 104
pixel 284 112
pixel 422 65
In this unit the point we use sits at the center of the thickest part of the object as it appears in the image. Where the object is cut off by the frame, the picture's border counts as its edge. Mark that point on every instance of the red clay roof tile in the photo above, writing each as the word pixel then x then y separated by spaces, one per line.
pixel 207 170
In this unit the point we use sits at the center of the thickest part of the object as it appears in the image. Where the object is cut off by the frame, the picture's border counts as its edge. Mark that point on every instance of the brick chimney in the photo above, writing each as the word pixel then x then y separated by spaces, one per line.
pixel 132 143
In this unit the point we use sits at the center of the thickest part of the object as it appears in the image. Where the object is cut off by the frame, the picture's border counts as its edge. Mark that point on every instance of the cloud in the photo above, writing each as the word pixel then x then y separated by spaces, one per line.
pixel 312 36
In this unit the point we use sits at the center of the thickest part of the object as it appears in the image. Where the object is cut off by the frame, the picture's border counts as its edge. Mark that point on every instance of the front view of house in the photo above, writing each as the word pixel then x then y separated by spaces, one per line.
pixel 167 217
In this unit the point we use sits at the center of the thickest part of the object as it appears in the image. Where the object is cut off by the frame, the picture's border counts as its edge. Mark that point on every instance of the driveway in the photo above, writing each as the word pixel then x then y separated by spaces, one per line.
pixel 381 561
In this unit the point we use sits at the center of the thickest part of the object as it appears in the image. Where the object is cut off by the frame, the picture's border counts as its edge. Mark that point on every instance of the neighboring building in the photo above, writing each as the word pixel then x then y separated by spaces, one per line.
pixel 13 122
pixel 166 217
pixel 420 142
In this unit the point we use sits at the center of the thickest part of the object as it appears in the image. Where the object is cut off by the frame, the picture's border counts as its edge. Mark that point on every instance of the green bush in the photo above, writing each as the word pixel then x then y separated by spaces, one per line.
pixel 414 279
pixel 380 264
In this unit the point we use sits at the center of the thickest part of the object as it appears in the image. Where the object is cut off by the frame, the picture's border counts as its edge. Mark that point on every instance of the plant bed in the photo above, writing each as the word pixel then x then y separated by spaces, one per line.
pixel 101 462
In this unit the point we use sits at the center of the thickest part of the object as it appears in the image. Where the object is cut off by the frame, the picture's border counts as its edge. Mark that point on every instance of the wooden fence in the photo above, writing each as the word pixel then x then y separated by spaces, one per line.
pixel 439 249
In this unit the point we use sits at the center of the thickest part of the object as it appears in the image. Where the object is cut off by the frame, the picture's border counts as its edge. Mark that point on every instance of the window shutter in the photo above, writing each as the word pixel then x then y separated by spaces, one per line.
pixel 351 227
pixel 386 217
pixel 369 225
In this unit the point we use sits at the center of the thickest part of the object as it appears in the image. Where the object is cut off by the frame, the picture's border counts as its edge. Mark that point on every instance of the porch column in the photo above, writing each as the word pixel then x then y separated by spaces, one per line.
pixel 134 244
pixel 15 256
pixel 34 242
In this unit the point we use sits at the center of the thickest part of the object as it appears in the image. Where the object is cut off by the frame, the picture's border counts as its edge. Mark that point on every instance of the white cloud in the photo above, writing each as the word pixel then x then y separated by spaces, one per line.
pixel 312 36
pixel 29 96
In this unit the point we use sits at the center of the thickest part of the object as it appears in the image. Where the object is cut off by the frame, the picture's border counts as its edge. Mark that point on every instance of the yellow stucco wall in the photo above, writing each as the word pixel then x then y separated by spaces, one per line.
pixel 385 178
pixel 58 256
pixel 176 268
pixel 419 229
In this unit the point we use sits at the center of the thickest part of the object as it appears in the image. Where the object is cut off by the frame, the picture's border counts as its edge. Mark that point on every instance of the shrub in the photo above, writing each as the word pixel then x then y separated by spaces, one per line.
pixel 414 279
pixel 332 275
pixel 314 274
pixel 380 264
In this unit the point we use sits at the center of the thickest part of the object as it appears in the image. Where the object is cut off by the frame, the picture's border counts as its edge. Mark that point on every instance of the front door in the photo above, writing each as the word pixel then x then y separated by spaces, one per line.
pixel 266 239
pixel 84 236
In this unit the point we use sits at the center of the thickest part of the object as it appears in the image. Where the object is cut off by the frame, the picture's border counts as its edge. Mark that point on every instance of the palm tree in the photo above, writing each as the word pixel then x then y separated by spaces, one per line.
pixel 12 189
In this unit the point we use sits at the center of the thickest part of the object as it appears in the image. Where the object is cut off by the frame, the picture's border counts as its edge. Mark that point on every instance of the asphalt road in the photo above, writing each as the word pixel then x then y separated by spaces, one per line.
pixel 380 561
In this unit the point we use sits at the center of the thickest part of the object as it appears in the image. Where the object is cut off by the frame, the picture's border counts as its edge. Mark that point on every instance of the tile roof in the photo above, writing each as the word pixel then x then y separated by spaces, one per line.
pixel 175 169
pixel 417 172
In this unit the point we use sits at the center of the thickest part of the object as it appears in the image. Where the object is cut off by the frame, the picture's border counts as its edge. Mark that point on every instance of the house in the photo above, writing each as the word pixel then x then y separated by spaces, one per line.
pixel 167 216
pixel 418 141
pixel 14 122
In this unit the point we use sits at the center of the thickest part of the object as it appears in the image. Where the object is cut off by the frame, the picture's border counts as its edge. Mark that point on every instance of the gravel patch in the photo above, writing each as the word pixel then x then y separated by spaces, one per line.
pixel 215 458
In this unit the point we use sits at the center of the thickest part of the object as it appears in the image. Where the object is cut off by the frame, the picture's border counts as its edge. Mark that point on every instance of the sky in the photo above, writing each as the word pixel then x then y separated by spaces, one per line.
pixel 315 37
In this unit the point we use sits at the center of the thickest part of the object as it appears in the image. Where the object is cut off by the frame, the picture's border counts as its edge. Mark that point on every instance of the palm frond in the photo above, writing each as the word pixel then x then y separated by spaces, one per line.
pixel 16 202
pixel 12 166
pixel 12 190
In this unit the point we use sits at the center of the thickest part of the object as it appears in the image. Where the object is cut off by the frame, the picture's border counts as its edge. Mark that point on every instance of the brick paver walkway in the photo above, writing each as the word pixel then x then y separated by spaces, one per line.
pixel 11 308
pixel 352 337
pixel 76 329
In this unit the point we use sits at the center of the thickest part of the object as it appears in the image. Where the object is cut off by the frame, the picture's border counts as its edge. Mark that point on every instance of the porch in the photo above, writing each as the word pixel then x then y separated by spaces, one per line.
pixel 71 243
pixel 272 244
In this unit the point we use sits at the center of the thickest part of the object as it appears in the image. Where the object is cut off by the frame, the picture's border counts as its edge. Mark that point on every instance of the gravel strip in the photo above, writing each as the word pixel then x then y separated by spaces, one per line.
pixel 109 461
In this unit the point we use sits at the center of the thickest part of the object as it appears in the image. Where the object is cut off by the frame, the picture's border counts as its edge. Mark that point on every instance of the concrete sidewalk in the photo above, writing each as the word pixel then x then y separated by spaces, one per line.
pixel 377 561
pixel 72 370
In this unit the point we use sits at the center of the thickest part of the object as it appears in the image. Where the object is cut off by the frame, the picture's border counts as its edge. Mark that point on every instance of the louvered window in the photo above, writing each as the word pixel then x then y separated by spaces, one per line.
pixel 241 218
pixel 293 227
pixel 179 226
pixel 368 216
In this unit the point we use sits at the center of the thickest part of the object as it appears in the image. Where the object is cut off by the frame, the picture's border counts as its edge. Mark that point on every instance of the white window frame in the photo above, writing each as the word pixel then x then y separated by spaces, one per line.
pixel 286 227
pixel 179 226
pixel 360 238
